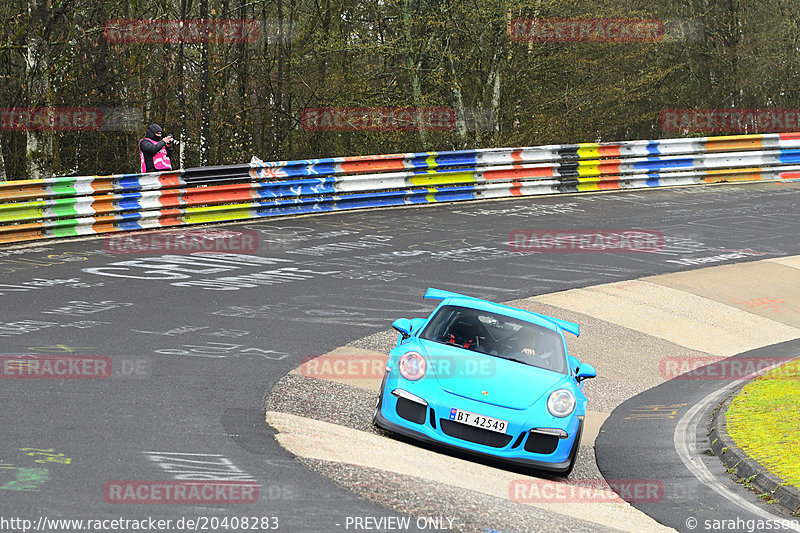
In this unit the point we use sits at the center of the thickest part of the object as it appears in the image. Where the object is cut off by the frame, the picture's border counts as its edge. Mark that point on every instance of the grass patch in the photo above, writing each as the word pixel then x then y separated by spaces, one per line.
pixel 764 420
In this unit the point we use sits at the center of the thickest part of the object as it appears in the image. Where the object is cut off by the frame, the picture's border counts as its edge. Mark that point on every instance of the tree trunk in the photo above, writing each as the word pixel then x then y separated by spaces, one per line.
pixel 413 69
pixel 3 176
pixel 287 101
pixel 494 105
pixel 458 104
pixel 182 94
pixel 277 113
pixel 205 104
pixel 39 146
pixel 243 131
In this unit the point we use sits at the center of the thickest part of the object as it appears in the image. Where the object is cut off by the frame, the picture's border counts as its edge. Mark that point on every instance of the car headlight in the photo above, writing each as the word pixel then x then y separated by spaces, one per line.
pixel 561 403
pixel 412 366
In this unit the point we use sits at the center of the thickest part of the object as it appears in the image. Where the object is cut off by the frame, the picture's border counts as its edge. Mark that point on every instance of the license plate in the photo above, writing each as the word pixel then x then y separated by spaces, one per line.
pixel 479 421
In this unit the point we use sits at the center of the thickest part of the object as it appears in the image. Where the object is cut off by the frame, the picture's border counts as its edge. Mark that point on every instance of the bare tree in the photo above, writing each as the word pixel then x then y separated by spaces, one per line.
pixel 2 162
pixel 39 149
pixel 205 94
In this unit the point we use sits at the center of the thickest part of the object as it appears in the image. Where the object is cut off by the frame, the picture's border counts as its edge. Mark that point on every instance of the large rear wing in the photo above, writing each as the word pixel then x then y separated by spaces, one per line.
pixel 438 294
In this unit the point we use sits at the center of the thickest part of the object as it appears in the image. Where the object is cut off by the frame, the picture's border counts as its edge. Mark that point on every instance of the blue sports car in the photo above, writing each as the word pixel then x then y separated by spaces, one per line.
pixel 487 379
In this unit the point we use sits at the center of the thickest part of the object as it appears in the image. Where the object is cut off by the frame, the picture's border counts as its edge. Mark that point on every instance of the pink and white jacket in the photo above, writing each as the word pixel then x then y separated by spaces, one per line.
pixel 160 159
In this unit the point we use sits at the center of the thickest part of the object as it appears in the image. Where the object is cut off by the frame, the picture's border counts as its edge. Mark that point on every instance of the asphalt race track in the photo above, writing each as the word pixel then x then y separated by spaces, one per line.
pixel 195 342
pixel 620 456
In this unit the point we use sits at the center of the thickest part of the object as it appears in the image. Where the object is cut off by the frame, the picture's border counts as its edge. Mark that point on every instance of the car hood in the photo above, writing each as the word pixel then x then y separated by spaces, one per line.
pixel 486 378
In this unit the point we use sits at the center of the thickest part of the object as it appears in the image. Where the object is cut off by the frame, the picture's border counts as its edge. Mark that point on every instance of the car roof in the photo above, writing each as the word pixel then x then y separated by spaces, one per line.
pixel 451 298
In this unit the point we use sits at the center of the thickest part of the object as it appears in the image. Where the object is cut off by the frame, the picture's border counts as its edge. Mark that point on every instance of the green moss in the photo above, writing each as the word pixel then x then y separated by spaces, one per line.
pixel 764 421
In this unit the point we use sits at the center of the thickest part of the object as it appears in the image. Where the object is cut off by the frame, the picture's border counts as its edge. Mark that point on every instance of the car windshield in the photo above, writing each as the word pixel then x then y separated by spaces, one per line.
pixel 497 335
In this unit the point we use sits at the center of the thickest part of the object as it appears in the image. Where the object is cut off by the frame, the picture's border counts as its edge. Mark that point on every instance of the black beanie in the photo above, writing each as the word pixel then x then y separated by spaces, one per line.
pixel 152 129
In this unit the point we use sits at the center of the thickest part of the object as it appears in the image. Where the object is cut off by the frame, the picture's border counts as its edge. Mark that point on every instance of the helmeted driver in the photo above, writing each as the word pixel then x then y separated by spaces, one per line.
pixel 533 343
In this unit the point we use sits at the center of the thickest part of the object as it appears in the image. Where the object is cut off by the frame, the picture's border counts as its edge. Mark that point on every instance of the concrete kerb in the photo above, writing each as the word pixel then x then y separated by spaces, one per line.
pixel 749 471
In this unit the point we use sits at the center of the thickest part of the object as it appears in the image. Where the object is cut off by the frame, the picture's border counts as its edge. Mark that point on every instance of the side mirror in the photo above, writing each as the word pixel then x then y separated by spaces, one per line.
pixel 417 323
pixel 585 371
pixel 403 326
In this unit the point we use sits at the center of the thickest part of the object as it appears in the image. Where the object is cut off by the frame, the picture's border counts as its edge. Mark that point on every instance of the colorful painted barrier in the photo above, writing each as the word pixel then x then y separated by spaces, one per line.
pixel 86 205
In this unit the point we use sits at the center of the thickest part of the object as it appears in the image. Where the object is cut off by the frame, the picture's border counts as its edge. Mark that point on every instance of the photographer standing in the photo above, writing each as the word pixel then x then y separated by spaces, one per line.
pixel 155 153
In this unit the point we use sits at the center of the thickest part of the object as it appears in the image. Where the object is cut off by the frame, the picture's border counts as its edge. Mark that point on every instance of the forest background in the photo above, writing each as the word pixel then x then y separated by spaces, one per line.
pixel 298 79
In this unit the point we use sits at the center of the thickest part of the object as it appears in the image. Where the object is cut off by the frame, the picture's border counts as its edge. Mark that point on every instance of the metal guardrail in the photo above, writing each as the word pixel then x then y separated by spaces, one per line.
pixel 85 205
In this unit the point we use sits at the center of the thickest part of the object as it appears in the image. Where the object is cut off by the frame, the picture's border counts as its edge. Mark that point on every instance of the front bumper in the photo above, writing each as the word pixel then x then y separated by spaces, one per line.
pixel 515 449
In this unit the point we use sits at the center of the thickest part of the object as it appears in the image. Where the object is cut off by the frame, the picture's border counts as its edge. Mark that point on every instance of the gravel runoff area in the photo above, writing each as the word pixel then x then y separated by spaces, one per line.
pixel 473 511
